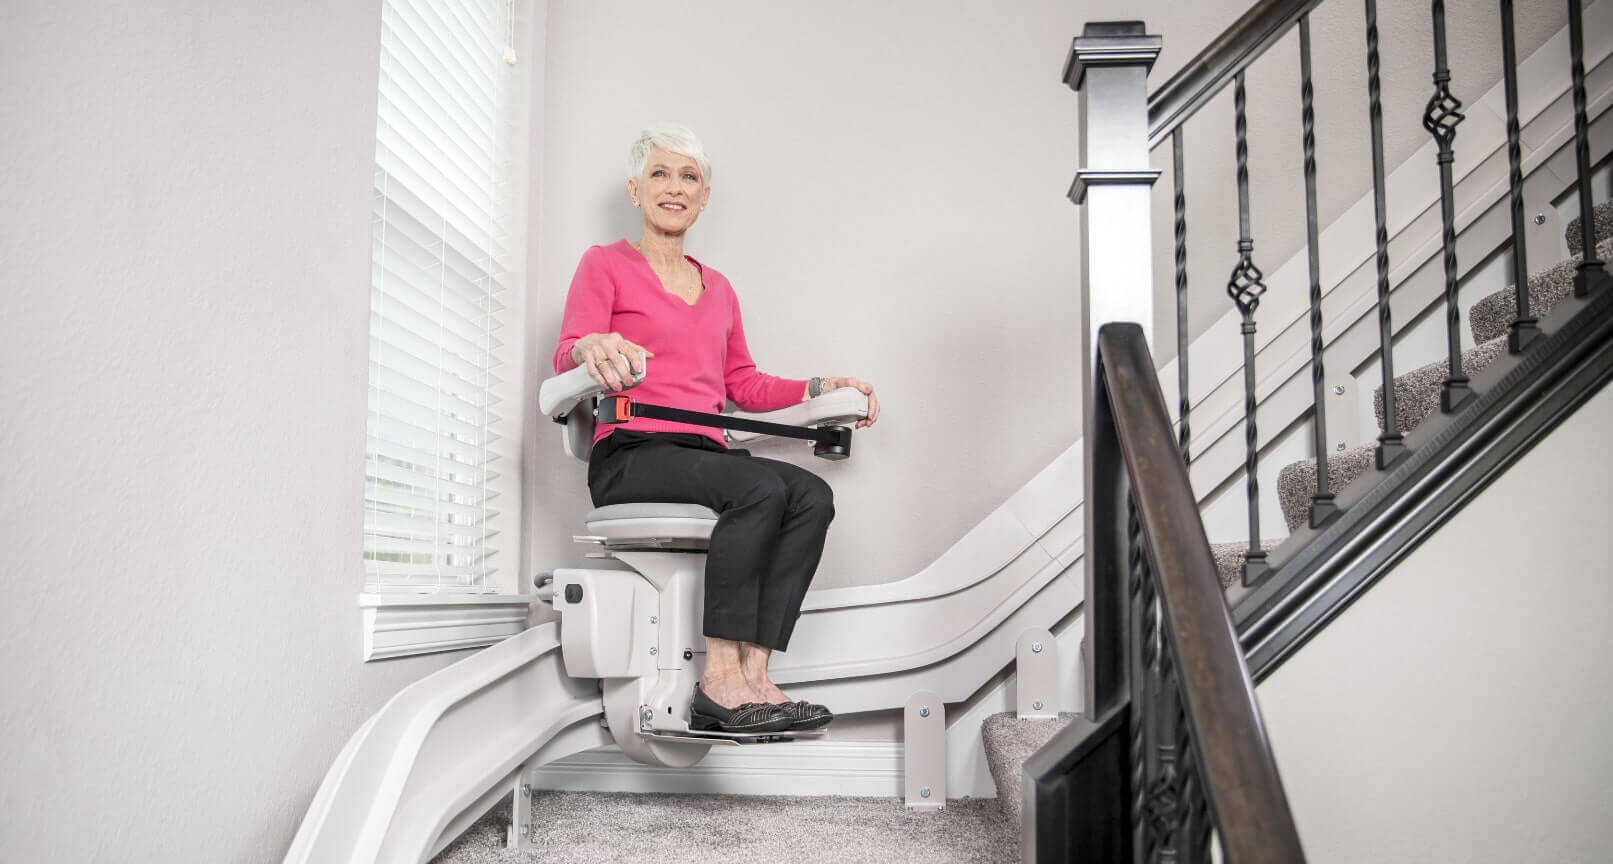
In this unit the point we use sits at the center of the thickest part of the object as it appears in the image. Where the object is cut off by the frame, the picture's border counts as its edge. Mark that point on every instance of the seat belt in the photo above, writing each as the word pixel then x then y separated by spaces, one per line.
pixel 829 442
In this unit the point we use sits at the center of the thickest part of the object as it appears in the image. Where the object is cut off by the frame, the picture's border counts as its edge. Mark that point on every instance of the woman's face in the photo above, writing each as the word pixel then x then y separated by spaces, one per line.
pixel 672 193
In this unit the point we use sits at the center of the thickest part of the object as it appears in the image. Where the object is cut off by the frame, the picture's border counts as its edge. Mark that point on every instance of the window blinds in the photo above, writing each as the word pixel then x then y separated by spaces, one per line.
pixel 444 218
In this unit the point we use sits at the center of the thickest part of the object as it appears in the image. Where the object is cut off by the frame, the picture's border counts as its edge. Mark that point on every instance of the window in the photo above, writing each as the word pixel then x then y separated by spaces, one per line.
pixel 441 440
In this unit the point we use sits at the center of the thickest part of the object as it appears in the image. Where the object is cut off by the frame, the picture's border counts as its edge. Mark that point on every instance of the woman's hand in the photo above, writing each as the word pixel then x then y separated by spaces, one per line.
pixel 611 360
pixel 831 384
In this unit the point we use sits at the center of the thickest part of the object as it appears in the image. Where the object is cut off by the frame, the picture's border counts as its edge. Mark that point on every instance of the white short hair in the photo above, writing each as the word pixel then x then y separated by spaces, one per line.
pixel 673 138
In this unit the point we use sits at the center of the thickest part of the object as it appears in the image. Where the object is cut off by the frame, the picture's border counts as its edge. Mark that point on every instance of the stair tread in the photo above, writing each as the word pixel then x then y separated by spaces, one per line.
pixel 1601 221
pixel 1417 393
pixel 1491 316
pixel 1296 483
pixel 1229 558
pixel 1009 742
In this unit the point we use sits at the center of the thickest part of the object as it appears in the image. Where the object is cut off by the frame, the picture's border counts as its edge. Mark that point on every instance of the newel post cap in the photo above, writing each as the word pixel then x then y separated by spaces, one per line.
pixel 1110 43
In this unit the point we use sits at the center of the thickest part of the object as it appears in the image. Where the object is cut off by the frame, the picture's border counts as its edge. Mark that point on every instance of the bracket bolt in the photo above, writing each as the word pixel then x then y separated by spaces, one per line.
pixel 924 712
pixel 653 651
pixel 925 792
pixel 1338 389
pixel 1540 218
pixel 526 790
pixel 1036 647
pixel 655 619
pixel 1339 447
pixel 1037 705
pixel 647 714
pixel 941 808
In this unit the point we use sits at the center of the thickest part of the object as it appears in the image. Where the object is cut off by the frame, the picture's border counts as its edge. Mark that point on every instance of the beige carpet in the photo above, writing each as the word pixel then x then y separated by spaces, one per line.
pixel 598 828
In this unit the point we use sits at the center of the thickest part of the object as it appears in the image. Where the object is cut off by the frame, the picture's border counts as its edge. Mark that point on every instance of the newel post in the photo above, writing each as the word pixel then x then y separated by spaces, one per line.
pixel 1108 66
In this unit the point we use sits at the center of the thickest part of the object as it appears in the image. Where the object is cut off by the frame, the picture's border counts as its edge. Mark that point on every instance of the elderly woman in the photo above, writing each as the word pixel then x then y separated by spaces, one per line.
pixel 634 300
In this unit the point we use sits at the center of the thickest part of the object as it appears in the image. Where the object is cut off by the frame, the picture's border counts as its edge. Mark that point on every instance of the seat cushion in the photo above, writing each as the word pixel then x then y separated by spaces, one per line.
pixel 651 511
pixel 660 525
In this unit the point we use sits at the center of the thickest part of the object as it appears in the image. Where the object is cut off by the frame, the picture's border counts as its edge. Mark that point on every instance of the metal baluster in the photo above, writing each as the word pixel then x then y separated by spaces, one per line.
pixel 1524 327
pixel 1169 814
pixel 1591 274
pixel 1245 288
pixel 1441 118
pixel 1193 836
pixel 1183 403
pixel 1322 506
pixel 1391 447
pixel 1141 641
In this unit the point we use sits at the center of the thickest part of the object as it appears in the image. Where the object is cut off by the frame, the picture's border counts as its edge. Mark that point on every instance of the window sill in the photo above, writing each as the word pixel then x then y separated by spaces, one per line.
pixel 398 625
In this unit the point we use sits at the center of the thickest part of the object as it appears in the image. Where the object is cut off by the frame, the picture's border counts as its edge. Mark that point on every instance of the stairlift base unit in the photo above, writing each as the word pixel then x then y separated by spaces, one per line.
pixel 608 627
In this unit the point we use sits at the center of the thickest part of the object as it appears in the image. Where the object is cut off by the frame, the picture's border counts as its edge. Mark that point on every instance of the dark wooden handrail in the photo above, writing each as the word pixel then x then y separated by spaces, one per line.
pixel 1213 68
pixel 1239 774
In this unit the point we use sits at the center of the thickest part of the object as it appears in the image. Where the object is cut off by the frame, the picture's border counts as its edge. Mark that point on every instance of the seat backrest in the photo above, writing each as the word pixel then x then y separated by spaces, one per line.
pixel 579 439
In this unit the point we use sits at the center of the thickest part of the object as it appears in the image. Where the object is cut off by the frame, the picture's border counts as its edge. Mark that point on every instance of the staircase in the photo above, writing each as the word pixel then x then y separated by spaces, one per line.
pixel 1417 393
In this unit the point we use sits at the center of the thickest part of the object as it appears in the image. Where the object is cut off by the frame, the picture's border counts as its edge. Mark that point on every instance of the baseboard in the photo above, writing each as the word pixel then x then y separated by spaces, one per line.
pixel 870 769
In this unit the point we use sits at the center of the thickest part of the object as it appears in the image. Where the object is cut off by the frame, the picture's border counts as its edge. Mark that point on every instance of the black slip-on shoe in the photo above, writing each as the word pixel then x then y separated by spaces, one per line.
pixel 751 718
pixel 804 715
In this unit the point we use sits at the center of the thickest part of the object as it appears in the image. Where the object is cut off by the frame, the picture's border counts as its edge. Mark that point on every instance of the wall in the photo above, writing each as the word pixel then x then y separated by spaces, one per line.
pixel 186 261
pixel 1488 742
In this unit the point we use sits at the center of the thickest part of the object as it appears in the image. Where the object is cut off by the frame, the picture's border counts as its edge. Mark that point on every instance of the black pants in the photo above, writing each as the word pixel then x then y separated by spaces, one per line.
pixel 772 518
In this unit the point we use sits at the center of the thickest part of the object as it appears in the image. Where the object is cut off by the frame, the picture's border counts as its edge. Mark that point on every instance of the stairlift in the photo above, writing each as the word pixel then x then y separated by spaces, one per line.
pixel 638 631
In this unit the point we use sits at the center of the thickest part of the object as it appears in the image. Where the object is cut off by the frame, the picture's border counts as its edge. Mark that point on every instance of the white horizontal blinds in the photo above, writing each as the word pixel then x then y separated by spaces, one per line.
pixel 444 217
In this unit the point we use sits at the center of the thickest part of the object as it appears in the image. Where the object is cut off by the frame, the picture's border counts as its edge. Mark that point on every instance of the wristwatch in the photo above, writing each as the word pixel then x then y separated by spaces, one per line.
pixel 815 388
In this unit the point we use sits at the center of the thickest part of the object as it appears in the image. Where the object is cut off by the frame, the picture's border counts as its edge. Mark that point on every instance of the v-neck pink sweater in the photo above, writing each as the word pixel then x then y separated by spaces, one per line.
pixel 700 357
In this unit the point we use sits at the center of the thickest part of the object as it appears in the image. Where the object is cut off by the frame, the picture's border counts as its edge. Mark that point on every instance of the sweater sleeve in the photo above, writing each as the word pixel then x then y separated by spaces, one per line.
pixel 750 389
pixel 588 306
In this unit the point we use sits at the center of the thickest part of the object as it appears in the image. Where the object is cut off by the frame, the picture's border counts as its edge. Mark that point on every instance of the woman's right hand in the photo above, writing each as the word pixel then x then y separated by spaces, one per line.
pixel 611 360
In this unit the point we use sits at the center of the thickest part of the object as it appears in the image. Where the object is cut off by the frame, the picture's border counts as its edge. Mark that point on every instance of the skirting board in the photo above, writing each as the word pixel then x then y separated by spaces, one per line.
pixel 870 769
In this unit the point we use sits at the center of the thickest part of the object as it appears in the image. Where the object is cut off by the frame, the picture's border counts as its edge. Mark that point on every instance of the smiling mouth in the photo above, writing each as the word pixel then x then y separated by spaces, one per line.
pixel 673 206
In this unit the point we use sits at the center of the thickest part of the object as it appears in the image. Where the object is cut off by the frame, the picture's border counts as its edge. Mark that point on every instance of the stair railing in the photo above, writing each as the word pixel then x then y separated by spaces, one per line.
pixel 1172 744
pixel 1171 747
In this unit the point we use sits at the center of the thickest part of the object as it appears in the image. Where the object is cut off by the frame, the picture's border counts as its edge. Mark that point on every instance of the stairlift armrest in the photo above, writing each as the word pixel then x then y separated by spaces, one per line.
pixel 561 393
pixel 842 407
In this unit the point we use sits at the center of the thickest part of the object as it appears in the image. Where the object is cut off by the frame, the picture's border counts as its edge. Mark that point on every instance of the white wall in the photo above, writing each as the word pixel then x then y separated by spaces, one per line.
pixel 185 250
pixel 1488 741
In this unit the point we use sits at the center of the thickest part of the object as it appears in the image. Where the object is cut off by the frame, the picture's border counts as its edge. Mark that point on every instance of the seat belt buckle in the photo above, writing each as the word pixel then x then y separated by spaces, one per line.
pixel 613 409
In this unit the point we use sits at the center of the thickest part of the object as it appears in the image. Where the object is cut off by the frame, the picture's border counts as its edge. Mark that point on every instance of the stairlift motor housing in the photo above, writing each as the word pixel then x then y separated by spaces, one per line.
pixel 638 630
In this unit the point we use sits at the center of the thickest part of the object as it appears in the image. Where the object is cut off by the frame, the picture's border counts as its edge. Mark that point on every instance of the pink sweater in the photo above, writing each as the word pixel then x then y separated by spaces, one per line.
pixel 700 357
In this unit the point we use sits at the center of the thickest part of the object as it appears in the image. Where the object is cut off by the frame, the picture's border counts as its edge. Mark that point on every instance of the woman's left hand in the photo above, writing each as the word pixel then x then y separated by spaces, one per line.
pixel 830 384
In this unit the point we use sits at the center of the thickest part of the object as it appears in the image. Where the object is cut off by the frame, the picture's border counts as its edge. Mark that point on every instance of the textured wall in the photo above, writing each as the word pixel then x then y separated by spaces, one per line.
pixel 186 301
pixel 1488 744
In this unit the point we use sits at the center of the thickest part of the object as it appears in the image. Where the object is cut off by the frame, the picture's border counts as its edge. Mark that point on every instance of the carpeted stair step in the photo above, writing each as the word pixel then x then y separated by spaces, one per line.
pixel 1229 558
pixel 1417 393
pixel 1296 483
pixel 1490 317
pixel 1009 742
pixel 630 828
pixel 1601 217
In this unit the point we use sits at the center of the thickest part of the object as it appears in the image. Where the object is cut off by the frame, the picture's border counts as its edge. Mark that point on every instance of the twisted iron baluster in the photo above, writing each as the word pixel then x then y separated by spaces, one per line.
pixel 1142 640
pixel 1183 403
pixel 1391 447
pixel 1591 274
pixel 1166 792
pixel 1322 506
pixel 1193 839
pixel 1524 327
pixel 1245 288
pixel 1440 118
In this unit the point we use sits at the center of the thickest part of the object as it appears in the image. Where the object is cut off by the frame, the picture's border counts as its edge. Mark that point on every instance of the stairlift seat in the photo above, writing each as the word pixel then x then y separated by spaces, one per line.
pixel 663 525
